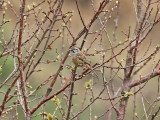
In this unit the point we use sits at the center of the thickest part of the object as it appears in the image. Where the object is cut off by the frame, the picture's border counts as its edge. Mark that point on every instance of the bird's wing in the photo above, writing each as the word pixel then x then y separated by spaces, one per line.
pixel 82 59
pixel 81 56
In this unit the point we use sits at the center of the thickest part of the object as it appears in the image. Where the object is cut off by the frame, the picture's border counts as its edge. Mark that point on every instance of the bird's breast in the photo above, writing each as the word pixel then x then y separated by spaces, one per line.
pixel 75 60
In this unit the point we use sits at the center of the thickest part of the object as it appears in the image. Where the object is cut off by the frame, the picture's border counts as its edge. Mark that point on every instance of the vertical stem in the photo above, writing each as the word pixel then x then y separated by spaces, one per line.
pixel 23 83
pixel 71 94
pixel 130 61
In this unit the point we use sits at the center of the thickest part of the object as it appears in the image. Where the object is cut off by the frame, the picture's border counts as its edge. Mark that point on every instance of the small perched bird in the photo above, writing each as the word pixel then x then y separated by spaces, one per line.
pixel 79 59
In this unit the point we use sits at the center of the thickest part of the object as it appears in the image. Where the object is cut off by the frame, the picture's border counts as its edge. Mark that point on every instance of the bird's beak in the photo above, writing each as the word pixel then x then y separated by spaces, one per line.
pixel 70 49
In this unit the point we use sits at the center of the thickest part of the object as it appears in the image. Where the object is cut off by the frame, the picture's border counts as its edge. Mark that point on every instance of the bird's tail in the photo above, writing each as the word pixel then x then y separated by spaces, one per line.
pixel 90 67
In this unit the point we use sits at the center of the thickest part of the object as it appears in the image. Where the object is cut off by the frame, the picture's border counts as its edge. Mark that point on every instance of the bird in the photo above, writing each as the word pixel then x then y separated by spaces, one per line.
pixel 79 59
